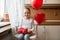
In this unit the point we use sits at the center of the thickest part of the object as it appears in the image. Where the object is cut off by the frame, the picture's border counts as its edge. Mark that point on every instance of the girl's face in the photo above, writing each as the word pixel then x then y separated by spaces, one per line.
pixel 26 13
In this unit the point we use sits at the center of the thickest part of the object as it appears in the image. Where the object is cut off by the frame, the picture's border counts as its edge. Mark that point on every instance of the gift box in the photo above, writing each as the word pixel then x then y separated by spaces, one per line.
pixel 22 30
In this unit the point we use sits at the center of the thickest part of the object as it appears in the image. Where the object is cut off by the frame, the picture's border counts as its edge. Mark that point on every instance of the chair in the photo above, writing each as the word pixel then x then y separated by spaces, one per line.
pixel 15 34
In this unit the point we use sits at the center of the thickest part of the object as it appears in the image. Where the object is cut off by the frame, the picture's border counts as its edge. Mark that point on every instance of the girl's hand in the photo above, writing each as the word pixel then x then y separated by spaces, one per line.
pixel 29 31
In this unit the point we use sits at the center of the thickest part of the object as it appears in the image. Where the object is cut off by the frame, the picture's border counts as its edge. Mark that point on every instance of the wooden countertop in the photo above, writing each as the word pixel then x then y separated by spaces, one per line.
pixel 5 28
pixel 3 24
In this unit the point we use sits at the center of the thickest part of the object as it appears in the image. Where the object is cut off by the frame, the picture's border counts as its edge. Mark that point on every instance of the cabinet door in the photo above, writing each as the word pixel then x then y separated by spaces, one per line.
pixel 40 30
pixel 46 1
pixel 52 14
pixel 53 1
pixel 28 1
pixel 52 32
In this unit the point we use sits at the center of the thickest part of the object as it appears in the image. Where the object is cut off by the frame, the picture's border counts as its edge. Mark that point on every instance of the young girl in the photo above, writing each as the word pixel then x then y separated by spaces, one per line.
pixel 26 22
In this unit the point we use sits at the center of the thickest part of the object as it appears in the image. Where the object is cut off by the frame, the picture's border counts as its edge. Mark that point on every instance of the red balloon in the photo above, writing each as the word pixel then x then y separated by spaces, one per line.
pixel 39 18
pixel 22 30
pixel 36 4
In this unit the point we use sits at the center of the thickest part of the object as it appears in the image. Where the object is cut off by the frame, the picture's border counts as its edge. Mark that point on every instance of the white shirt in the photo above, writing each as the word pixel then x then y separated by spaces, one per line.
pixel 27 23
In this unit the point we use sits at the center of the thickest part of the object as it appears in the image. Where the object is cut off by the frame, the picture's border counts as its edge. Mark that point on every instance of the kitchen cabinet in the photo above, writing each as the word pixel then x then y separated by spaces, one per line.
pixel 52 14
pixel 4 30
pixel 49 32
pixel 46 1
pixel 52 32
pixel 53 1
pixel 40 32
pixel 28 1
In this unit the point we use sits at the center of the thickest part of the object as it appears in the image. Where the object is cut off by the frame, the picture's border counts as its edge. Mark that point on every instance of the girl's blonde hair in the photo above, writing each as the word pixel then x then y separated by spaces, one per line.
pixel 28 9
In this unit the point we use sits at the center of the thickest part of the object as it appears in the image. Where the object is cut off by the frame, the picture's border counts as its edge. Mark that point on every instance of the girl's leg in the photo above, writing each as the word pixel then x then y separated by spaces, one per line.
pixel 20 36
pixel 26 36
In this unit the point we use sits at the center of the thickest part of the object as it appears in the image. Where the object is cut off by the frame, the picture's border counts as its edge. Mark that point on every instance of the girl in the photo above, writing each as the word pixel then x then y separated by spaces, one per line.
pixel 26 22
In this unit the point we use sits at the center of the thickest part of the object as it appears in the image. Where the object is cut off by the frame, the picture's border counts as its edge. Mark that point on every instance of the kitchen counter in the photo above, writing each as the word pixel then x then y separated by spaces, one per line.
pixel 4 28
pixel 3 24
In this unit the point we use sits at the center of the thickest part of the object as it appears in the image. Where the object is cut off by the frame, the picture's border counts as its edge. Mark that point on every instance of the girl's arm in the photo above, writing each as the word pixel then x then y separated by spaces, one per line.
pixel 34 24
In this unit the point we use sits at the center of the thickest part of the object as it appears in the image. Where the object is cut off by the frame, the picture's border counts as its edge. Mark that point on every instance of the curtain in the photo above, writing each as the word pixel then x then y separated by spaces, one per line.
pixel 15 9
pixel 1 8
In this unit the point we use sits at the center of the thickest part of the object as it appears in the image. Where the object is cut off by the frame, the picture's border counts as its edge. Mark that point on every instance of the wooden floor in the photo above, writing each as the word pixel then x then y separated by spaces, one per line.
pixel 7 36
